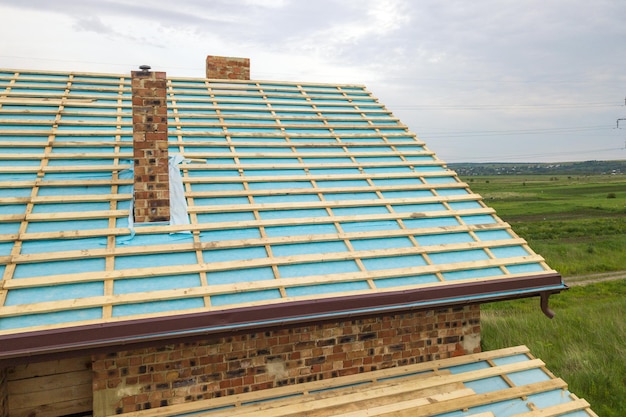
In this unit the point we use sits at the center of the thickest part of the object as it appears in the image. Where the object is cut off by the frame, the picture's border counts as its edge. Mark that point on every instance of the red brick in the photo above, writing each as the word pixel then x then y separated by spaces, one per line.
pixel 396 340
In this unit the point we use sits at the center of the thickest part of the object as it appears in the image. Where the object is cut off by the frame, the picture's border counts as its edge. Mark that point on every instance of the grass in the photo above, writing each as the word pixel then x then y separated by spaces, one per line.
pixel 578 224
pixel 585 344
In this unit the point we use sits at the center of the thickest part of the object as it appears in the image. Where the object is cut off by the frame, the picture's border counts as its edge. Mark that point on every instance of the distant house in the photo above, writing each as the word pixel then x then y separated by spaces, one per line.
pixel 172 246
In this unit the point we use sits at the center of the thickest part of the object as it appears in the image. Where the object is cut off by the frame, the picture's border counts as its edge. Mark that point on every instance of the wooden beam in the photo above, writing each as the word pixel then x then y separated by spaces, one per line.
pixel 560 409
pixel 399 374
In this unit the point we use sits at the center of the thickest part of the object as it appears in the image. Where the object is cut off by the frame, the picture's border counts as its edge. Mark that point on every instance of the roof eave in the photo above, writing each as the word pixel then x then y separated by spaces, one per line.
pixel 79 340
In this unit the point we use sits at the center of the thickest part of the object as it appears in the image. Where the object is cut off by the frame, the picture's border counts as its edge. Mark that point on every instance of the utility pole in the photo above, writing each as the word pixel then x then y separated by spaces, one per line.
pixel 623 118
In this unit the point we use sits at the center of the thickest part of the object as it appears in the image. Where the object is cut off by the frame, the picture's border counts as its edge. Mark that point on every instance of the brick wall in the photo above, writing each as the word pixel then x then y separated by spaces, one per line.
pixel 4 393
pixel 151 189
pixel 154 377
pixel 227 68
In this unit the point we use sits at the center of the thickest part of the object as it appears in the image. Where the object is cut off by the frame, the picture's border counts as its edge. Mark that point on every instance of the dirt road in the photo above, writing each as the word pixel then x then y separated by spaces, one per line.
pixel 593 278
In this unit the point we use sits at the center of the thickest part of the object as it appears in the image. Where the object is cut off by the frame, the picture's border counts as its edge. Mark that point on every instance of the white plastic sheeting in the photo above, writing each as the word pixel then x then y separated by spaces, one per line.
pixel 178 203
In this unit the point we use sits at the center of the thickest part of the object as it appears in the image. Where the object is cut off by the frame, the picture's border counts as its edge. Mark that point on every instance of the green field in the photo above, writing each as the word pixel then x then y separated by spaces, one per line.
pixel 585 343
pixel 578 224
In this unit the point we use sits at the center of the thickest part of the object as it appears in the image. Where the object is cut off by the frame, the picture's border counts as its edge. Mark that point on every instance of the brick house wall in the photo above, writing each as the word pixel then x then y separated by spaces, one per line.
pixel 145 378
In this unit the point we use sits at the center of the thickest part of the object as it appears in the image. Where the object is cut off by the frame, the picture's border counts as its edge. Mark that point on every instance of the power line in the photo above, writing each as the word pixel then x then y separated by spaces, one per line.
pixel 500 106
pixel 509 132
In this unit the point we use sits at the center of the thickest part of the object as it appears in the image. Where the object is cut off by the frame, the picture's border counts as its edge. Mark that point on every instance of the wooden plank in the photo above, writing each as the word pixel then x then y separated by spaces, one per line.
pixel 71 234
pixel 77 168
pixel 393 407
pixel 243 107
pixel 329 164
pixel 309 406
pixel 81 198
pixel 291 155
pixel 66 113
pixel 363 403
pixel 261 115
pixel 29 144
pixel 274 166
pixel 49 368
pixel 37 101
pixel 479 399
pixel 359 176
pixel 65 183
pixel 32 400
pixel 232 244
pixel 223 155
pixel 76 215
pixel 560 409
pixel 69 133
pixel 48 382
pixel 51 388
pixel 332 383
pixel 68 155
pixel 316 135
pixel 298 145
pixel 332 203
pixel 62 408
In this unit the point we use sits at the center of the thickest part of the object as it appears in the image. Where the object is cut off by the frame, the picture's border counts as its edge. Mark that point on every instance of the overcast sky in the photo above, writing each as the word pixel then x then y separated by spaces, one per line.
pixel 478 81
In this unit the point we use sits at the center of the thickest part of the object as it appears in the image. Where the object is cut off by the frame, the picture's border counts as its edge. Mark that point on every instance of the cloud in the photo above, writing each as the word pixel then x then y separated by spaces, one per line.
pixel 519 64
pixel 92 24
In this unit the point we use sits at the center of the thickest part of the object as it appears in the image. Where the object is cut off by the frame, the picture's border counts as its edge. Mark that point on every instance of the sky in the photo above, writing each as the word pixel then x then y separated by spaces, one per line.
pixel 478 81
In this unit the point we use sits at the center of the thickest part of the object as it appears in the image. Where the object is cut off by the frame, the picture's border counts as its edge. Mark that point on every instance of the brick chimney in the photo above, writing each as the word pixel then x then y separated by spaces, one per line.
pixel 227 68
pixel 152 191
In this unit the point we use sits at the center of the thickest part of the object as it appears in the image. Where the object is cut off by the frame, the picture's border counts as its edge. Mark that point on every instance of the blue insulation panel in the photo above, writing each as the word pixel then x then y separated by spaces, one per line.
pixel 317 268
pixel 406 281
pixel 234 254
pixel 487 235
pixel 309 248
pixel 55 293
pixel 74 266
pixel 244 297
pixel 525 268
pixel 321 289
pixel 381 243
pixel 157 307
pixel 293 214
pixel 407 261
pixel 134 285
pixel 482 386
pixel 66 317
pixel 162 259
pixel 240 275
pixel 472 273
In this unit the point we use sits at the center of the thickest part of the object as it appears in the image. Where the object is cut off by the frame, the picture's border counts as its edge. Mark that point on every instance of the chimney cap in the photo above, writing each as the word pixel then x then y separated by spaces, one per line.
pixel 144 68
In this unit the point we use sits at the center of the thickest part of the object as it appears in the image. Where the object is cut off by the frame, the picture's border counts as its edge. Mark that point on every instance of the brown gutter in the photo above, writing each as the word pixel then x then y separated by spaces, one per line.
pixel 49 344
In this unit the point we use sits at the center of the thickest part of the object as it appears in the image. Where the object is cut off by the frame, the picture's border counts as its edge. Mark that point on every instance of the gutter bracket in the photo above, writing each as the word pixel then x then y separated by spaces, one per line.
pixel 545 297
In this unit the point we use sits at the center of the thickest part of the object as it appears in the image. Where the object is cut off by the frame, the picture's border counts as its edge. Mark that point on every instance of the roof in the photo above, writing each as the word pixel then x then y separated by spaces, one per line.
pixel 501 383
pixel 305 202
